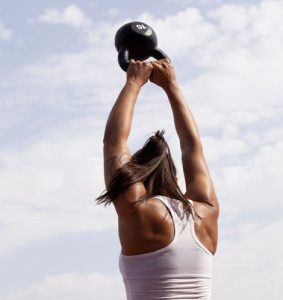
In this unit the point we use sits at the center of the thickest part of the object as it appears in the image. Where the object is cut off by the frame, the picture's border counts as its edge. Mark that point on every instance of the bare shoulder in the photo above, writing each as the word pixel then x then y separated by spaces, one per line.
pixel 157 211
pixel 152 209
pixel 125 203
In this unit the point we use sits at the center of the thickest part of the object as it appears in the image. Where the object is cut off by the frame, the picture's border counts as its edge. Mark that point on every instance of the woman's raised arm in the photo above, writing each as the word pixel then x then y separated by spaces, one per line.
pixel 199 186
pixel 116 151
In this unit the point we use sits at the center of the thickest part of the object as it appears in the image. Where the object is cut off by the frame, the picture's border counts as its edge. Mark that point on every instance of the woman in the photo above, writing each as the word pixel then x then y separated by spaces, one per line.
pixel 167 240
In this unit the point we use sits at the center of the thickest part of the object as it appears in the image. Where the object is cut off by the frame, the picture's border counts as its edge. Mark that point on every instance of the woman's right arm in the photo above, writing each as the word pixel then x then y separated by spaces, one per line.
pixel 199 185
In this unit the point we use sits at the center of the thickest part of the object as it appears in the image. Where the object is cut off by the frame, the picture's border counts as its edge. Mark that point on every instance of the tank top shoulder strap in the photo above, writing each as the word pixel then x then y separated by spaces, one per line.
pixel 175 208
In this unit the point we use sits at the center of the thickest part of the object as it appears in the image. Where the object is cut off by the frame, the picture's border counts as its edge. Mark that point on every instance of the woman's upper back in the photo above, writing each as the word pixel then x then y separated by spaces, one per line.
pixel 177 267
pixel 149 227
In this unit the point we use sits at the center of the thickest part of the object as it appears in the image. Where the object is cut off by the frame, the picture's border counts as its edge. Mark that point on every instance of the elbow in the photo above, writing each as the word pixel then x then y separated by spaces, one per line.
pixel 209 196
pixel 106 140
pixel 192 145
pixel 113 139
pixel 205 195
pixel 212 201
pixel 110 137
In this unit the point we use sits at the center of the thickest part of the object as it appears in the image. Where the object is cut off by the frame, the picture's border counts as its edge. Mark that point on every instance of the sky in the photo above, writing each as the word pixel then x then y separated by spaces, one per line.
pixel 59 78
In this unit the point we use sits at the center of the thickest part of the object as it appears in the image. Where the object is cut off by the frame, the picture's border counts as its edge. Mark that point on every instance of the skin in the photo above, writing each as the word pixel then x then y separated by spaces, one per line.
pixel 148 227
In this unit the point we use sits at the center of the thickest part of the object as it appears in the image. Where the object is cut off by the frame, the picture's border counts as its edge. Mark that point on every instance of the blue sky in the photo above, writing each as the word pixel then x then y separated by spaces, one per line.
pixel 59 78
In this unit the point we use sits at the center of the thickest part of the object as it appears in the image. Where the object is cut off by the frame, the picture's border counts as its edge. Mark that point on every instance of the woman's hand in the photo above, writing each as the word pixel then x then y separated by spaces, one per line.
pixel 163 74
pixel 139 72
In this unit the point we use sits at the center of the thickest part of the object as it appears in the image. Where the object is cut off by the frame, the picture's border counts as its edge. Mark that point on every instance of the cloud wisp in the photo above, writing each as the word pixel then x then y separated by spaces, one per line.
pixel 72 287
pixel 70 16
pixel 5 33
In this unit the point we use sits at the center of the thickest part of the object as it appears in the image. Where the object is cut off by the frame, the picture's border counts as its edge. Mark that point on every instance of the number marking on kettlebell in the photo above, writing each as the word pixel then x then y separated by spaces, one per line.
pixel 141 26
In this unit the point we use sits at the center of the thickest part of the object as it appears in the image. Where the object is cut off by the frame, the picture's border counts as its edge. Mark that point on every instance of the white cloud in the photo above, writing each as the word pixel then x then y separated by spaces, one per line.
pixel 227 147
pixel 231 18
pixel 179 33
pixel 249 263
pixel 186 3
pixel 114 12
pixel 71 15
pixel 49 188
pixel 5 33
pixel 72 286
pixel 254 184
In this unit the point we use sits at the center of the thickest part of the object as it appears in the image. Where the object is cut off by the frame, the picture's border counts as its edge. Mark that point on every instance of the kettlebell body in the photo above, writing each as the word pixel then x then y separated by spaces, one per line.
pixel 136 40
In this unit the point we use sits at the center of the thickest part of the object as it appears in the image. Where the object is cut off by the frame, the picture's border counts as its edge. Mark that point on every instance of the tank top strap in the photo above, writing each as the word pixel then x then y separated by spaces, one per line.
pixel 176 209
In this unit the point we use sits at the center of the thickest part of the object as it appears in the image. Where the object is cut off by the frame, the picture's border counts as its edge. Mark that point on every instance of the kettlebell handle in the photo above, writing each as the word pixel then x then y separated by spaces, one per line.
pixel 124 57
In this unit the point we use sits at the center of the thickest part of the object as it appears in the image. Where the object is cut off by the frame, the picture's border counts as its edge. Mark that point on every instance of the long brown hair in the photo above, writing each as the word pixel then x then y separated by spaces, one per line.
pixel 154 167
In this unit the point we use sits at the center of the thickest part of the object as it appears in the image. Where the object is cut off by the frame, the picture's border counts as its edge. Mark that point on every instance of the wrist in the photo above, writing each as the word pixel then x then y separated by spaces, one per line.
pixel 171 87
pixel 134 84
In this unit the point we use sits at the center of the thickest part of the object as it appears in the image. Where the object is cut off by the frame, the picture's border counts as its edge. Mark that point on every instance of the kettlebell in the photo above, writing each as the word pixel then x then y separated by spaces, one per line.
pixel 136 40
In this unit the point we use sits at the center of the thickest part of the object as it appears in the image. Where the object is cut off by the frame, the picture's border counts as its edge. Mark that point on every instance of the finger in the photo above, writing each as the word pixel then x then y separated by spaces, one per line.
pixel 165 63
pixel 156 64
pixel 165 60
pixel 147 63
pixel 162 63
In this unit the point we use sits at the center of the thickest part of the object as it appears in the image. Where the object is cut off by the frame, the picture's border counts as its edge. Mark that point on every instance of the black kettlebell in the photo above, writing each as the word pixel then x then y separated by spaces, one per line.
pixel 136 40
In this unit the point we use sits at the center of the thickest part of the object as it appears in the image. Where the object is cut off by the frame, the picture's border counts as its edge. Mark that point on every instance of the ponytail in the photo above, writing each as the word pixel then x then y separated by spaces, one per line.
pixel 154 167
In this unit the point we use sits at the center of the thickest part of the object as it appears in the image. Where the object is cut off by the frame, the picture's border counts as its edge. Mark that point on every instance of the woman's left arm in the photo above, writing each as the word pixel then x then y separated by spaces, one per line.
pixel 116 151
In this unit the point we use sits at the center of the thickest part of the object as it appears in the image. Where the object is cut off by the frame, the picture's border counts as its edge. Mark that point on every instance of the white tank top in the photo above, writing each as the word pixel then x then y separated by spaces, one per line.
pixel 181 270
